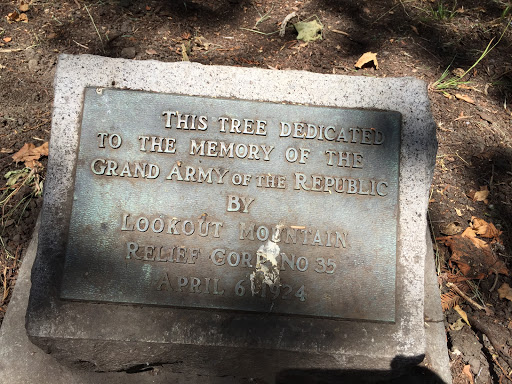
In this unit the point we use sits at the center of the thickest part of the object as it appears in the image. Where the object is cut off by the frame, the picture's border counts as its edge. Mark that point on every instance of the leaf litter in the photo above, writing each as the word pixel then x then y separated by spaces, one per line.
pixel 368 59
pixel 473 255
pixel 29 154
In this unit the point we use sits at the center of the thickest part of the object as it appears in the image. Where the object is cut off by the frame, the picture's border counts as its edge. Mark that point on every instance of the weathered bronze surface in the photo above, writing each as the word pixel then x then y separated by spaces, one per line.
pixel 182 201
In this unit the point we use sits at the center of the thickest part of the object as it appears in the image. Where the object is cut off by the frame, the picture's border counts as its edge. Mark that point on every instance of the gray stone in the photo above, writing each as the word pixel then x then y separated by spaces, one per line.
pixel 109 337
pixel 128 52
pixel 33 64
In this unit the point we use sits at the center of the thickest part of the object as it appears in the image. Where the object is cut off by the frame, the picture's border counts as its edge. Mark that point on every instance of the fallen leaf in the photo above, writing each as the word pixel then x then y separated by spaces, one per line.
pixel 6 150
pixel 485 229
pixel 458 325
pixel 462 314
pixel 29 153
pixel 451 228
pixel 458 212
pixel 473 256
pixel 7 39
pixel 309 30
pixel 368 58
pixel 415 29
pixel 23 18
pixel 184 56
pixel 12 17
pixel 466 98
pixel 14 176
pixel 481 195
pixel 151 51
pixel 505 292
pixel 469 375
pixel 24 6
pixel 459 72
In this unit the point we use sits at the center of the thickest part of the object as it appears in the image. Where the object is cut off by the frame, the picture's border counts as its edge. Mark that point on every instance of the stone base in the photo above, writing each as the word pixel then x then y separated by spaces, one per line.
pixel 120 337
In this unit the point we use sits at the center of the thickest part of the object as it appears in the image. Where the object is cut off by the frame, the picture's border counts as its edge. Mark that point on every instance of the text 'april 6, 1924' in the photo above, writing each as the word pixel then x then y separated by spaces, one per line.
pixel 235 205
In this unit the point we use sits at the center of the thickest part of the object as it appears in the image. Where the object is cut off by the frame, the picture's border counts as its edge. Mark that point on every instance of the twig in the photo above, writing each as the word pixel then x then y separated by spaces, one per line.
pixel 464 161
pixel 340 32
pixel 468 299
pixel 495 280
pixel 502 349
pixel 285 21
pixel 9 50
pixel 94 24
pixel 261 33
pixel 265 17
pixel 80 45
pixel 495 358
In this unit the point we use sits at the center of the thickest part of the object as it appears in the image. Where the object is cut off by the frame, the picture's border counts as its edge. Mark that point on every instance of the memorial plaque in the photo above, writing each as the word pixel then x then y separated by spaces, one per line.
pixel 238 205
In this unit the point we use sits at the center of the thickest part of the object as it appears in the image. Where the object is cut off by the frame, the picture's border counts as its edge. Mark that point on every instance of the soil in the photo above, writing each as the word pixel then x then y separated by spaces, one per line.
pixel 411 38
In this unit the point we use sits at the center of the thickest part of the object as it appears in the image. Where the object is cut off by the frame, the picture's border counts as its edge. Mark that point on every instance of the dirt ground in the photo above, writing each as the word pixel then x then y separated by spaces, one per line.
pixel 420 38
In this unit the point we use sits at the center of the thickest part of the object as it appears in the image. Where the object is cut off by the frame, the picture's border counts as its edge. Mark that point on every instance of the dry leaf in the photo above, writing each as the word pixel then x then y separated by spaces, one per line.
pixel 458 212
pixel 451 228
pixel 481 195
pixel 24 6
pixel 151 51
pixel 23 18
pixel 415 29
pixel 466 98
pixel 462 314
pixel 309 30
pixel 458 325
pixel 7 39
pixel 484 229
pixel 6 150
pixel 29 153
pixel 12 17
pixel 469 375
pixel 473 256
pixel 505 292
pixel 368 58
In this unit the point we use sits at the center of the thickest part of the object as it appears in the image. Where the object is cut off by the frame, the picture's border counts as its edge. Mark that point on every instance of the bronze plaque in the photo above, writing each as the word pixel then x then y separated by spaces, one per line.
pixel 238 205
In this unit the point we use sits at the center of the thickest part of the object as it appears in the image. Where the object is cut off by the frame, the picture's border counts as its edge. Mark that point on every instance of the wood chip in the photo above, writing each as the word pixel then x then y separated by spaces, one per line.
pixel 465 98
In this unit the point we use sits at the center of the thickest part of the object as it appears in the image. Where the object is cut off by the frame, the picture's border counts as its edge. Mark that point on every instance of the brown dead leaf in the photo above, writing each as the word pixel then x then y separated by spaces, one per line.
pixel 505 292
pixel 462 314
pixel 466 98
pixel 458 325
pixel 151 51
pixel 467 372
pixel 24 6
pixel 23 18
pixel 481 195
pixel 366 59
pixel 12 17
pixel 7 39
pixel 485 229
pixel 451 228
pixel 473 256
pixel 29 153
